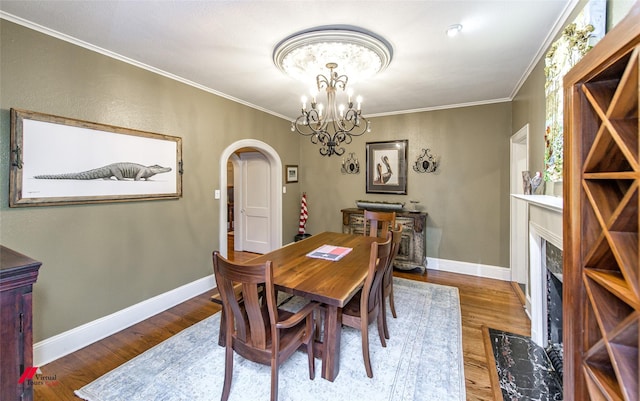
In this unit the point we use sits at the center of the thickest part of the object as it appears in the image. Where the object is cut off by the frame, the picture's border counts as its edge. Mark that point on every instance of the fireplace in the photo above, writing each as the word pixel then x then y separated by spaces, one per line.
pixel 545 252
pixel 553 271
pixel 530 367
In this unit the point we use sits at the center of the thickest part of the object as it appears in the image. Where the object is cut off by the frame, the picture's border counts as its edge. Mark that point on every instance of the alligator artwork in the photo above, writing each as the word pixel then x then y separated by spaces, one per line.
pixel 121 171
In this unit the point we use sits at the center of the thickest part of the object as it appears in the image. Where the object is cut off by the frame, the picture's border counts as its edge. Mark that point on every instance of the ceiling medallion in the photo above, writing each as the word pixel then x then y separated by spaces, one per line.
pixel 359 53
pixel 304 56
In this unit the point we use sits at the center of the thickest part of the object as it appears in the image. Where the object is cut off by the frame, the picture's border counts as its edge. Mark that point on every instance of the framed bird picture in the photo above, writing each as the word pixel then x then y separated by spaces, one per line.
pixel 387 167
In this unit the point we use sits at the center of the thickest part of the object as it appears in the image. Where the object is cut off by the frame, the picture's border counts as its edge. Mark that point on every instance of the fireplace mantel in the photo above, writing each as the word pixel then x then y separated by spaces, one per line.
pixel 553 203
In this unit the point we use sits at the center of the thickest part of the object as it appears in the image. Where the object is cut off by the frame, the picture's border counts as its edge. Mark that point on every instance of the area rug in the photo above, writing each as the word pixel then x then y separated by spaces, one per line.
pixel 422 361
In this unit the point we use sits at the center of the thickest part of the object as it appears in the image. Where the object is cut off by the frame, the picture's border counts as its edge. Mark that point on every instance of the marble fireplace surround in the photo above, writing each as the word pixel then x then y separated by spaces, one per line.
pixel 545 223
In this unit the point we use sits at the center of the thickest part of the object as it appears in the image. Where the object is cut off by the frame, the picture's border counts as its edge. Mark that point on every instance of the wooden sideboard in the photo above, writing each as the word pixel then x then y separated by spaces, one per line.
pixel 413 244
pixel 17 275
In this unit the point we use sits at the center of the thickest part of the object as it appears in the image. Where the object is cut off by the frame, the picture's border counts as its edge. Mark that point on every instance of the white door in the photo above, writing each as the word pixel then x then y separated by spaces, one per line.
pixel 519 208
pixel 256 202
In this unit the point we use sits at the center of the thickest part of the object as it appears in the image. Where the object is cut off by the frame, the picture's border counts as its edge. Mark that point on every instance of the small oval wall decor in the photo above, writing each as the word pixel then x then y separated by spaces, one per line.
pixel 351 165
pixel 427 162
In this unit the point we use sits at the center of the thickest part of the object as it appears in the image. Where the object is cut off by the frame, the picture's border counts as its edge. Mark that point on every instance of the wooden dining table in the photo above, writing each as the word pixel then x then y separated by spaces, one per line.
pixel 332 283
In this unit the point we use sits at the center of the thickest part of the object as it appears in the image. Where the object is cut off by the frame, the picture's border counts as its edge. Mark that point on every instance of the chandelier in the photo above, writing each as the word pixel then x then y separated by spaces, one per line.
pixel 337 125
pixel 306 54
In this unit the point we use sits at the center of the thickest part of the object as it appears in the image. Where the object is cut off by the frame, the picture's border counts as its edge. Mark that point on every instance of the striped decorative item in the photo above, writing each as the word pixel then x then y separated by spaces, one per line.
pixel 304 215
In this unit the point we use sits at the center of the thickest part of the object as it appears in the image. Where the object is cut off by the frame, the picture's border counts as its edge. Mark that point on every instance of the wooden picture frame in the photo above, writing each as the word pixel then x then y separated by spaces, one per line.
pixel 61 161
pixel 387 167
pixel 291 174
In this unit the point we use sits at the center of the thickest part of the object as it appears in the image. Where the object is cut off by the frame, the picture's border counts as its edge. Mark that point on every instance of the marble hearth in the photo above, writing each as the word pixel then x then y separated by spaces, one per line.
pixel 524 369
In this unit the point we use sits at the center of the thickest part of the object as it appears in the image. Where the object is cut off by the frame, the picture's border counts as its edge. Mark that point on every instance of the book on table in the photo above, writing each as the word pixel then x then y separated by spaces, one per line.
pixel 329 252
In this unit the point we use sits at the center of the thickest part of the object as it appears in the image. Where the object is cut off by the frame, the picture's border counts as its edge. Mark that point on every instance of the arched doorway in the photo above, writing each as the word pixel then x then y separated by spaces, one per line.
pixel 275 174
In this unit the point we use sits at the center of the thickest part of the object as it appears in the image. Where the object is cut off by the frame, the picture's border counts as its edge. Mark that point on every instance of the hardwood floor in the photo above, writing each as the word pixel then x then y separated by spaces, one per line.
pixel 483 302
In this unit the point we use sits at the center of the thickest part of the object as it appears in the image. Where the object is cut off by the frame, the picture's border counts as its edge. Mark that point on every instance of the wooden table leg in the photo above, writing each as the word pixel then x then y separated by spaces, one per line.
pixel 331 340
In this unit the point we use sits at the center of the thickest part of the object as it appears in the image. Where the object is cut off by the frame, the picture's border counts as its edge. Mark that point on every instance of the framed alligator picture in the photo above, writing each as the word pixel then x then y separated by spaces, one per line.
pixel 61 161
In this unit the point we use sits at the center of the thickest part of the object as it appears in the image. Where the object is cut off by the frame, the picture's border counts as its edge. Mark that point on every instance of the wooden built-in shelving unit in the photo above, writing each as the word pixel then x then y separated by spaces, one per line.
pixel 601 219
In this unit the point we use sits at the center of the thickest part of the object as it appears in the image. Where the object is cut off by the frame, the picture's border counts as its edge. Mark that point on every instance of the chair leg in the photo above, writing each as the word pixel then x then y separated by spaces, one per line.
pixel 274 378
pixel 364 328
pixel 223 333
pixel 228 373
pixel 380 320
pixel 311 336
pixel 391 303
pixel 318 323
pixel 384 318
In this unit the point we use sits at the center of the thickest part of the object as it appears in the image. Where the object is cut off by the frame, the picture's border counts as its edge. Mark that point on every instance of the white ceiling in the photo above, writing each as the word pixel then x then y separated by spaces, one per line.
pixel 226 46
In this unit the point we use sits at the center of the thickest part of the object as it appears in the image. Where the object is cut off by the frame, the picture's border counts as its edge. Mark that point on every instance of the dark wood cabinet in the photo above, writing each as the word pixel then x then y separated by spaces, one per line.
pixel 412 246
pixel 17 275
pixel 601 304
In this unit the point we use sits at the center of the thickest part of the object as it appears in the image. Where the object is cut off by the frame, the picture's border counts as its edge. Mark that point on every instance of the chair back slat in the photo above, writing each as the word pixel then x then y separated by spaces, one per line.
pixel 396 238
pixel 378 223
pixel 378 262
pixel 255 315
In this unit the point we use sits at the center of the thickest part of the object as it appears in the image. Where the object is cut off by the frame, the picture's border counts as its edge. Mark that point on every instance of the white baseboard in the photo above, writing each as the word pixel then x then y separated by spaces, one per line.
pixel 72 340
pixel 471 269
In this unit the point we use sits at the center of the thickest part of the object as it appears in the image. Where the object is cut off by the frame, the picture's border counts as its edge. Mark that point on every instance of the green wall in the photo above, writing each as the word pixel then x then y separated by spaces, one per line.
pixel 467 200
pixel 101 258
pixel 529 108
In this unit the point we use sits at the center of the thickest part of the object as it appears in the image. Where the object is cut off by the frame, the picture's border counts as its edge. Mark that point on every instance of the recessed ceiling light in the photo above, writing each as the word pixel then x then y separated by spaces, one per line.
pixel 453 30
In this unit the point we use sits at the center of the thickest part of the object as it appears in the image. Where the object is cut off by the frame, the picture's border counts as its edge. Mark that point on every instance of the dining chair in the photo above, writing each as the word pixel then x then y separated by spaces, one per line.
pixel 373 219
pixel 365 306
pixel 255 328
pixel 387 287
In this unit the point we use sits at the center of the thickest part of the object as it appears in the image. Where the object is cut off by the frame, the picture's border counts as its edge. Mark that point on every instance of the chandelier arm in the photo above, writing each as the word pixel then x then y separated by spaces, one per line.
pixel 311 121
pixel 340 82
pixel 315 120
pixel 314 139
pixel 352 115
pixel 355 120
pixel 302 121
pixel 322 82
pixel 324 137
pixel 343 137
pixel 357 129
